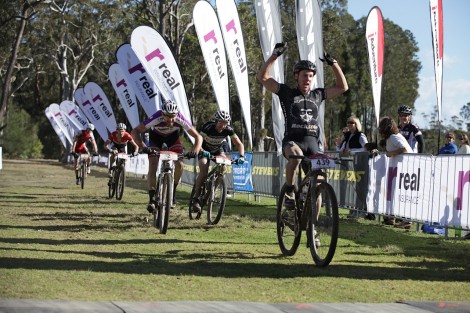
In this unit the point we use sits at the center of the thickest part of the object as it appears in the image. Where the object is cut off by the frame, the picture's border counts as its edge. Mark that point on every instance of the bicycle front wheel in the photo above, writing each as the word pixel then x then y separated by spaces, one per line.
pixel 121 182
pixel 165 204
pixel 288 227
pixel 83 171
pixel 218 195
pixel 323 224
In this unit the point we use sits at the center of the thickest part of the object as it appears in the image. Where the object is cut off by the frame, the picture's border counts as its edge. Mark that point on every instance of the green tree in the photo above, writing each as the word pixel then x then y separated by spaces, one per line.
pixel 20 138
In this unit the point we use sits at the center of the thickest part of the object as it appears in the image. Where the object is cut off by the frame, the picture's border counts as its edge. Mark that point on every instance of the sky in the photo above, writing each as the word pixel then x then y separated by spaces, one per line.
pixel 414 15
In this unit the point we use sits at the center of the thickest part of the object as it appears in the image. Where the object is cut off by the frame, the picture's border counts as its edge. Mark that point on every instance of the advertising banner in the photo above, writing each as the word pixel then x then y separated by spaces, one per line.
pixel 213 50
pixel 56 127
pixel 437 27
pixel 242 179
pixel 125 93
pixel 143 85
pixel 269 27
pixel 76 117
pixel 235 47
pixel 100 101
pixel 375 46
pixel 90 111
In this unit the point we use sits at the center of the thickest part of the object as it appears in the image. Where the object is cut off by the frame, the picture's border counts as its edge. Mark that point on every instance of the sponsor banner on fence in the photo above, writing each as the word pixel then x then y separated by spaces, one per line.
pixel 242 179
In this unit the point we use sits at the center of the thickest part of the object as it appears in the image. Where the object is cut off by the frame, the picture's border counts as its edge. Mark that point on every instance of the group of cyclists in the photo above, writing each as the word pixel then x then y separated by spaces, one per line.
pixel 301 106
pixel 165 128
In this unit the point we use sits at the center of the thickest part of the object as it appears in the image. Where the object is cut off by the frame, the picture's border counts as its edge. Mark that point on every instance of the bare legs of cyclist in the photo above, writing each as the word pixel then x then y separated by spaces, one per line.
pixel 290 148
pixel 152 182
pixel 178 173
pixel 75 167
pixel 203 169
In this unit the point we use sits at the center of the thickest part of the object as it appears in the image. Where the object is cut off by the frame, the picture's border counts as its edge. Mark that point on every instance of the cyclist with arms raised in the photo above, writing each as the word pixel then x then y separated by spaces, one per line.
pixel 79 147
pixel 166 126
pixel 214 133
pixel 117 143
pixel 300 106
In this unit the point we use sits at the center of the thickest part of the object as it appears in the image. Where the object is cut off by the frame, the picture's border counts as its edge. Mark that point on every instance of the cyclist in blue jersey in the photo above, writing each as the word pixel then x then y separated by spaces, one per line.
pixel 165 127
pixel 300 106
pixel 410 131
pixel 214 134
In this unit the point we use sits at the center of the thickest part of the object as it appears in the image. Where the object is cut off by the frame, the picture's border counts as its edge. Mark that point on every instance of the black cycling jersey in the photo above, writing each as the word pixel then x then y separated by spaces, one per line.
pixel 410 132
pixel 300 112
pixel 213 140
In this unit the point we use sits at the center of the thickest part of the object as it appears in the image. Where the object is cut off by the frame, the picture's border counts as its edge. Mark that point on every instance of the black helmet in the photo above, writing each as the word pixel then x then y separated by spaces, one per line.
pixel 404 109
pixel 304 65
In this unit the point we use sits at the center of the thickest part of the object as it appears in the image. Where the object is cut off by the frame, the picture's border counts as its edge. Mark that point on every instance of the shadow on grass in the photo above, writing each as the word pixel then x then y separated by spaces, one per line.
pixel 215 265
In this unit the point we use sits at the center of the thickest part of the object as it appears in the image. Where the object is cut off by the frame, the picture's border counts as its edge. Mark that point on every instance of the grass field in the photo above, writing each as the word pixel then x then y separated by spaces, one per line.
pixel 58 241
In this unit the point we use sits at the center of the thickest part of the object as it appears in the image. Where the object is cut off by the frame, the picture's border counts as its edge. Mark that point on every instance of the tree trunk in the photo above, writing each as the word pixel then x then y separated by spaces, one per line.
pixel 6 88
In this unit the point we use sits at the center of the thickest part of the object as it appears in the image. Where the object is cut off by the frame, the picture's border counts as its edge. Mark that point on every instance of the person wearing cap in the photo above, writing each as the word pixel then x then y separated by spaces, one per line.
pixel 79 147
pixel 214 134
pixel 117 143
pixel 449 147
pixel 410 131
pixel 165 128
pixel 301 106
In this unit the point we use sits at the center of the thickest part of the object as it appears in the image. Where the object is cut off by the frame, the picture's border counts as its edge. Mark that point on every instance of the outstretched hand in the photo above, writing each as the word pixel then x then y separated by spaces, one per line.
pixel 280 48
pixel 328 59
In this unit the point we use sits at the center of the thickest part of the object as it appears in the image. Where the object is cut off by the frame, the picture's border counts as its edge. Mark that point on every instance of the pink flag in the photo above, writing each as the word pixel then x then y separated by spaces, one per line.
pixel 438 45
pixel 375 46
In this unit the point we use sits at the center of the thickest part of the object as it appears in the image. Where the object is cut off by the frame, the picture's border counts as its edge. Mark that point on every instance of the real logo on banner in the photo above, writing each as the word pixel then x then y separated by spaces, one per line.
pixel 242 179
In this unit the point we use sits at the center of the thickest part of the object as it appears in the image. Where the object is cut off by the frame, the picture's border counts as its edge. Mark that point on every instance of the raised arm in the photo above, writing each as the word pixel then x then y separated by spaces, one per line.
pixel 263 74
pixel 341 83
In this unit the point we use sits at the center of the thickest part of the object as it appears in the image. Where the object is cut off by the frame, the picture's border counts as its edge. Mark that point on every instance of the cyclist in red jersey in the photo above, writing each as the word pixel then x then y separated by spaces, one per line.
pixel 117 142
pixel 79 147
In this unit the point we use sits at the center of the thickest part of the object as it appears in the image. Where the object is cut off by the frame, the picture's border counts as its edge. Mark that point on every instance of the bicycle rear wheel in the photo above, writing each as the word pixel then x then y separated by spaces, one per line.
pixel 112 184
pixel 288 227
pixel 323 224
pixel 194 215
pixel 218 195
pixel 121 182
pixel 83 172
pixel 165 204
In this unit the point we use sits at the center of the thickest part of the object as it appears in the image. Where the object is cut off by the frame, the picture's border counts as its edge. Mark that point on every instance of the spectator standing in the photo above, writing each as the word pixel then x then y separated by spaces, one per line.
pixel 449 147
pixel 394 143
pixel 410 131
pixel 354 139
pixel 464 145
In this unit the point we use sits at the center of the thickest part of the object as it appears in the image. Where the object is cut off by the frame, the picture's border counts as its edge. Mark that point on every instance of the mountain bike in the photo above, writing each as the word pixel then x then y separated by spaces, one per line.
pixel 117 182
pixel 316 212
pixel 164 188
pixel 82 168
pixel 213 191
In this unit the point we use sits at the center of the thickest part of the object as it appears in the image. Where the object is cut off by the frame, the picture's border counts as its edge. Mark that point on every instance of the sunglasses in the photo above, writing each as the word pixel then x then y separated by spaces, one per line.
pixel 404 115
pixel 351 123
pixel 450 137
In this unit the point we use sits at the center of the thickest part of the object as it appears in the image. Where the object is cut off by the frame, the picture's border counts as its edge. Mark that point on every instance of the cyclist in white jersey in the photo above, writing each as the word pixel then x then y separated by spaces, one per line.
pixel 166 126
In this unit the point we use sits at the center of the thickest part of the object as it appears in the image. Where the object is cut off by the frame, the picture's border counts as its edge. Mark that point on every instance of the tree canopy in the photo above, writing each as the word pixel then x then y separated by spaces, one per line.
pixel 52 47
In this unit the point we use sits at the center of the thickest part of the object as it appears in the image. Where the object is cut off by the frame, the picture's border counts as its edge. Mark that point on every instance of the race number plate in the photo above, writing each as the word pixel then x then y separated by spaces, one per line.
pixel 168 156
pixel 322 162
pixel 122 155
pixel 223 160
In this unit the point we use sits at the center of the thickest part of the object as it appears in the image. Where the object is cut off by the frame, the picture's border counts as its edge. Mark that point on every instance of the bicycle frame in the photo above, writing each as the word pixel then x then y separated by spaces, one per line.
pixel 213 190
pixel 117 182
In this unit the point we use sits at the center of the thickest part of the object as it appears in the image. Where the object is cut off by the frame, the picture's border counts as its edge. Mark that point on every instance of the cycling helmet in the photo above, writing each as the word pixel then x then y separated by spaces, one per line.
pixel 90 126
pixel 222 116
pixel 404 109
pixel 121 126
pixel 170 107
pixel 304 65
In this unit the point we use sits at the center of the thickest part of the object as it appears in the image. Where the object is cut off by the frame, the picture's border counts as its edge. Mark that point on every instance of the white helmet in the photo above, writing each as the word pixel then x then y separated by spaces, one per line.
pixel 121 126
pixel 170 107
pixel 90 126
pixel 222 116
